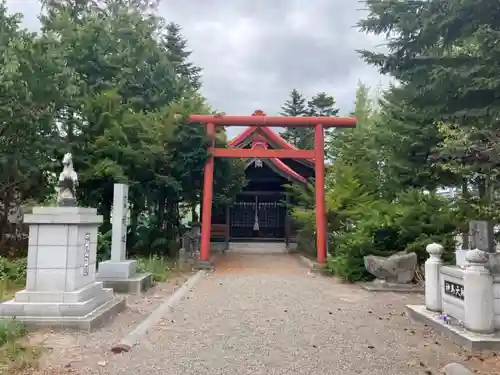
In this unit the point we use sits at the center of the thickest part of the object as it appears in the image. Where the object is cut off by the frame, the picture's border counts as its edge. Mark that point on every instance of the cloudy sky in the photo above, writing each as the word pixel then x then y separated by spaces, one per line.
pixel 255 52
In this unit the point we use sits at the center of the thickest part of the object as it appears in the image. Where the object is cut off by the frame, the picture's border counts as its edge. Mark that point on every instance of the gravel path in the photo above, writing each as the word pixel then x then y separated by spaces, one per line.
pixel 266 314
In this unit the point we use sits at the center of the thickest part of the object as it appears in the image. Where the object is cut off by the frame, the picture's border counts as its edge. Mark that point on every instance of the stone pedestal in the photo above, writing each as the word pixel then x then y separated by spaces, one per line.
pixel 120 273
pixel 61 290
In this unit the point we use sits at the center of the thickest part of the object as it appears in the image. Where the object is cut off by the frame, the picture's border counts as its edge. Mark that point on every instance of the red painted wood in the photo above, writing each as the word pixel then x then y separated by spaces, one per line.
pixel 319 148
pixel 260 153
pixel 208 192
pixel 327 122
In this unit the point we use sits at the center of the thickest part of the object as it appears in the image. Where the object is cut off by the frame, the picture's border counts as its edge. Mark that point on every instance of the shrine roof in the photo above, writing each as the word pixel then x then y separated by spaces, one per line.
pixel 253 133
pixel 262 137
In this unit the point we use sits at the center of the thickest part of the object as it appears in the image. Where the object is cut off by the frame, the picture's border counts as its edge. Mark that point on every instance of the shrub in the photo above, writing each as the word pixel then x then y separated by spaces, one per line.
pixel 410 223
pixel 361 223
pixel 13 270
pixel 348 263
pixel 159 266
pixel 104 246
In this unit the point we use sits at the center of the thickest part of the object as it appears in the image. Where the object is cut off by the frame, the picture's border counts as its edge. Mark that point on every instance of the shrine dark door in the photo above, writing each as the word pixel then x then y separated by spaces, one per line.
pixel 258 217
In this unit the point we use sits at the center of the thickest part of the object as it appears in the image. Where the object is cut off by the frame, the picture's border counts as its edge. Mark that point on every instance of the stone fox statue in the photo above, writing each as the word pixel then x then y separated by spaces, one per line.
pixel 68 181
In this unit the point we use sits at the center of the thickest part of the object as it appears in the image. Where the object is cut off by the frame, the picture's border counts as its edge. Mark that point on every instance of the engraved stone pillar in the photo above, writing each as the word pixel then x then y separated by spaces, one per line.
pixel 478 290
pixel 432 277
pixel 120 273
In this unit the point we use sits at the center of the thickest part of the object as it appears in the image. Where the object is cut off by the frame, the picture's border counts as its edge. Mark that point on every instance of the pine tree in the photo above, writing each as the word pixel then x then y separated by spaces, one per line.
pixel 296 106
pixel 176 45
pixel 322 105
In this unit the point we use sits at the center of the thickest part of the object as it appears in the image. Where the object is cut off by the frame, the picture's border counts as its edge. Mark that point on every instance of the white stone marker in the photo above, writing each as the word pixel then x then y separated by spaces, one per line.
pixel 119 222
pixel 60 286
pixel 120 273
pixel 118 267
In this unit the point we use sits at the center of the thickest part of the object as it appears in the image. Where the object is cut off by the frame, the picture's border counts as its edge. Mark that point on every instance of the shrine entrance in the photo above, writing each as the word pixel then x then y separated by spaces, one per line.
pixel 264 210
pixel 255 208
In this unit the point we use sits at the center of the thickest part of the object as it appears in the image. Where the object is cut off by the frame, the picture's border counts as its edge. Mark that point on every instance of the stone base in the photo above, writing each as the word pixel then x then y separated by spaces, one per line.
pixel 57 304
pixel 203 265
pixel 117 270
pixel 453 331
pixel 380 286
pixel 137 284
pixel 96 319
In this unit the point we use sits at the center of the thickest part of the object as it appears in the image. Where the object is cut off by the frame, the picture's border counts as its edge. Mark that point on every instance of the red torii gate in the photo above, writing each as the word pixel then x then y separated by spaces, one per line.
pixel 260 119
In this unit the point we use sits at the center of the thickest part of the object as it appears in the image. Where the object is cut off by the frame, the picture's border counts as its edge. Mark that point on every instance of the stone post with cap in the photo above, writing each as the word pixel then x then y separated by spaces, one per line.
pixel 478 289
pixel 432 277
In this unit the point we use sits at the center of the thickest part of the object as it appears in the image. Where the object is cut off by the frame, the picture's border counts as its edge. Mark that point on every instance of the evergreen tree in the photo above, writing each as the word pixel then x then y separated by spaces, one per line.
pixel 322 105
pixel 295 106
pixel 444 53
pixel 176 46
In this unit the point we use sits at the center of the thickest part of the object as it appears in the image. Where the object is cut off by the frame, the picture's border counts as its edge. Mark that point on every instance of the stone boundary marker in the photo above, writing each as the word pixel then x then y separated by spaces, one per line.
pixel 305 261
pixel 456 369
pixel 165 308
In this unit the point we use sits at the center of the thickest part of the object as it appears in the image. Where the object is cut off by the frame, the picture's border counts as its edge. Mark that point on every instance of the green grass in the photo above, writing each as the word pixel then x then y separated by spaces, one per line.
pixel 8 289
pixel 160 267
pixel 15 354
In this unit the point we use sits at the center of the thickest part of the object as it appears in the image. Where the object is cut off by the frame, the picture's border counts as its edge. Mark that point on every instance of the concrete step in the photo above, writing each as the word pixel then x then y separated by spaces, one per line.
pixel 257 247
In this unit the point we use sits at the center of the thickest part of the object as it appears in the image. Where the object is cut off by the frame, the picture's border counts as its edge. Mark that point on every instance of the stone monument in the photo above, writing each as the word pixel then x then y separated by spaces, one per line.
pixel 462 301
pixel 120 273
pixel 393 273
pixel 61 290
pixel 481 237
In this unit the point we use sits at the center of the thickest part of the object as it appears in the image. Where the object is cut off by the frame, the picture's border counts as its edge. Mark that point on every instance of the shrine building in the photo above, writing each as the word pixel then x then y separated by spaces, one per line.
pixel 260 213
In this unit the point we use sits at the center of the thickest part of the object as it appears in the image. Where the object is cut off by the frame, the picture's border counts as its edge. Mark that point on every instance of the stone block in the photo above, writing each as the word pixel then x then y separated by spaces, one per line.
pixel 398 268
pixel 481 234
pixel 79 277
pixel 134 285
pixel 52 234
pixel 456 369
pixel 32 256
pixel 378 285
pixel 53 256
pixel 95 319
pixel 33 235
pixel 53 304
pixel 79 295
pixel 31 279
pixel 117 270
pixel 83 308
pixel 204 265
pixel 50 280
pixel 453 330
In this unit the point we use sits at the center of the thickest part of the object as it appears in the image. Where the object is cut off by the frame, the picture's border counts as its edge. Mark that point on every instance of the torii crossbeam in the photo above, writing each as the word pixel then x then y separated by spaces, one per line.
pixel 259 119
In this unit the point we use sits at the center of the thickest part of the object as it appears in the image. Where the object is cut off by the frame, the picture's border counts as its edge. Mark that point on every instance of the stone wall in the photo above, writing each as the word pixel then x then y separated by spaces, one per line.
pixel 451 305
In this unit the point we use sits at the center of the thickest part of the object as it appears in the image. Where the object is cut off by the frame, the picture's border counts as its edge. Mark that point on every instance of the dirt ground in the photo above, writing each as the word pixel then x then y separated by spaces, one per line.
pixel 293 322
